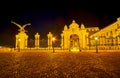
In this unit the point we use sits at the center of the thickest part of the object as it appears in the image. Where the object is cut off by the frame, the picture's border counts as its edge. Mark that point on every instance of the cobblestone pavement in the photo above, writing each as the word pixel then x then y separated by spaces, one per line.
pixel 59 65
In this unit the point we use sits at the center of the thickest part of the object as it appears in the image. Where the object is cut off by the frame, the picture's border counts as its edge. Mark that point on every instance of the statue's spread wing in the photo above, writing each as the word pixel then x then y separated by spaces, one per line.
pixel 26 25
pixel 16 24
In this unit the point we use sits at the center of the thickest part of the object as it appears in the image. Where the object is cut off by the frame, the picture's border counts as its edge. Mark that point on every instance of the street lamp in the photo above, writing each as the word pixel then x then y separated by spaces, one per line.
pixel 53 40
pixel 19 44
pixel 96 42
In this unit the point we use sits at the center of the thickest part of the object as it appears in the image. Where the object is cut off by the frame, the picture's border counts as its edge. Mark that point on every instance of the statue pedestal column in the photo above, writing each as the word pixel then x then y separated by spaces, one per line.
pixel 49 40
pixel 37 40
pixel 21 40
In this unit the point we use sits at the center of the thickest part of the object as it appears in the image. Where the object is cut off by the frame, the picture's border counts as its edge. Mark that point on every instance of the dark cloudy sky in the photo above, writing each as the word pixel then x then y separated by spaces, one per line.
pixel 46 16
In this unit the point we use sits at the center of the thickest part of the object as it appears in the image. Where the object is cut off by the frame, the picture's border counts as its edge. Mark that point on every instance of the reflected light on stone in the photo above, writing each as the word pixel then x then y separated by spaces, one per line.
pixel 74 49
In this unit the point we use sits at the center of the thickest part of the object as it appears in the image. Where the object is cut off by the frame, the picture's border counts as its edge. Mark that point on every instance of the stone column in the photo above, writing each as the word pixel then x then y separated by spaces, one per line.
pixel 21 40
pixel 118 39
pixel 37 40
pixel 26 41
pixel 49 40
pixel 16 43
pixel 87 41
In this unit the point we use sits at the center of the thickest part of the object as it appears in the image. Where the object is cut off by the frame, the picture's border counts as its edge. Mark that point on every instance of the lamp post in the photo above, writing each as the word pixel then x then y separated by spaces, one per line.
pixel 53 40
pixel 96 44
pixel 19 44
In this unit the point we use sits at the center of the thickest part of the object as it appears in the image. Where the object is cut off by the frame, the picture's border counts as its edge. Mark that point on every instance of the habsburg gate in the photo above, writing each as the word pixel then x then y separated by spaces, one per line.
pixel 73 38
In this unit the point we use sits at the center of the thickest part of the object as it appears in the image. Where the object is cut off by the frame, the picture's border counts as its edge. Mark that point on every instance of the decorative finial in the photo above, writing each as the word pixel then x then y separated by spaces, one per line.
pixel 82 26
pixel 118 19
pixel 49 32
pixel 73 21
pixel 37 33
pixel 65 27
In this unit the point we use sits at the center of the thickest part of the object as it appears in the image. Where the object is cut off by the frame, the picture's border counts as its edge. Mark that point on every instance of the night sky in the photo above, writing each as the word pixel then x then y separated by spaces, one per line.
pixel 52 16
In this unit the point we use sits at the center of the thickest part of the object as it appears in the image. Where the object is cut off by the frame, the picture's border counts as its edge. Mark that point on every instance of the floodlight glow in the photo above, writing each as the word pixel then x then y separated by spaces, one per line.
pixel 19 39
pixel 96 38
pixel 53 38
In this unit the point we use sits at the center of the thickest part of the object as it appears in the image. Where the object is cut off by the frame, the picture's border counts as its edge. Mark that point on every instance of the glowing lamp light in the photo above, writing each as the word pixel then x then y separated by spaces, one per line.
pixel 53 38
pixel 19 39
pixel 96 38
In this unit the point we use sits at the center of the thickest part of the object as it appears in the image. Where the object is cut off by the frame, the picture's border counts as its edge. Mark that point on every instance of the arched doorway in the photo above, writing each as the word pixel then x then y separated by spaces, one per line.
pixel 74 43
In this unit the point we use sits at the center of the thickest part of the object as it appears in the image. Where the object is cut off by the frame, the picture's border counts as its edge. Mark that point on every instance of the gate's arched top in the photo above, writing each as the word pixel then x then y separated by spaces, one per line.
pixel 73 25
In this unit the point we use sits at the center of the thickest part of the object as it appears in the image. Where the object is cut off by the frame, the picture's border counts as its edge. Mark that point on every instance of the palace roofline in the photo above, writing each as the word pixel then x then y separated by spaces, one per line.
pixel 106 27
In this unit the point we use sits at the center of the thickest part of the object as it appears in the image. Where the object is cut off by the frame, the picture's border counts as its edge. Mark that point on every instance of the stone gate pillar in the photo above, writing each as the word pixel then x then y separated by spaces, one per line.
pixel 21 40
pixel 49 40
pixel 37 40
pixel 26 41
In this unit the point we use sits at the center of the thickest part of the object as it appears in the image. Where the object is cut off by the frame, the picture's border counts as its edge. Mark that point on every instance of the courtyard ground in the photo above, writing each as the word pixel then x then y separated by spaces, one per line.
pixel 59 65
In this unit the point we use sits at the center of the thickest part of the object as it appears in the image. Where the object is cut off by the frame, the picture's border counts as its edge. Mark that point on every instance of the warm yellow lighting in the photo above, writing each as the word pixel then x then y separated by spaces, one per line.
pixel 53 38
pixel 96 38
pixel 74 37
pixel 19 39
pixel 75 49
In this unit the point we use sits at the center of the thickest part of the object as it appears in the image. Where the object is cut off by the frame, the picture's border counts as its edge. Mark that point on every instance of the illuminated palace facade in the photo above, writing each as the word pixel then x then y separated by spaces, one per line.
pixel 78 37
